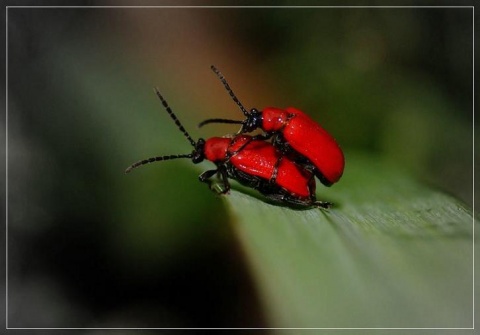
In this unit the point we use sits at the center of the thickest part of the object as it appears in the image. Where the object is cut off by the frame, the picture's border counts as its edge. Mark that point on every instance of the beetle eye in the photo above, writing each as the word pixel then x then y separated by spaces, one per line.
pixel 197 157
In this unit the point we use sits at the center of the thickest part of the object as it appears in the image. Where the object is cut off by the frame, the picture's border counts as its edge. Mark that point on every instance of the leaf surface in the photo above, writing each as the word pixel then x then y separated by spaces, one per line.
pixel 391 253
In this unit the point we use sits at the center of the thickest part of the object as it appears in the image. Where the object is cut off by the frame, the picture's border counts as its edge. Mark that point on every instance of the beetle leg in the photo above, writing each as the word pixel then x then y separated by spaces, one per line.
pixel 322 204
pixel 299 202
pixel 308 202
pixel 263 137
pixel 285 198
pixel 206 176
pixel 279 142
pixel 222 171
pixel 276 197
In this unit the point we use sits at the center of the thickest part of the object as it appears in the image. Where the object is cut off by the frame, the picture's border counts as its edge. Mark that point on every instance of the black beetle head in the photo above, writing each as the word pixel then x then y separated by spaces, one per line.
pixel 198 154
pixel 253 121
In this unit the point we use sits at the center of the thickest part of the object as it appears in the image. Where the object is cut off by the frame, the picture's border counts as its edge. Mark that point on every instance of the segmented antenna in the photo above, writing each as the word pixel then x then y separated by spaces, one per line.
pixel 229 90
pixel 174 117
pixel 168 157
pixel 204 122
pixel 155 159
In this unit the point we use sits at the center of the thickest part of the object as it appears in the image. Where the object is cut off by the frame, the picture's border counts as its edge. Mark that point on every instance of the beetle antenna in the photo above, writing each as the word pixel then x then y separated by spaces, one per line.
pixel 155 159
pixel 174 117
pixel 229 90
pixel 204 122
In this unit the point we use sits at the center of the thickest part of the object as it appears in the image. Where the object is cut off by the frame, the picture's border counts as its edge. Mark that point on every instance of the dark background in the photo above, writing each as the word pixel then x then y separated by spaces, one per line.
pixel 91 247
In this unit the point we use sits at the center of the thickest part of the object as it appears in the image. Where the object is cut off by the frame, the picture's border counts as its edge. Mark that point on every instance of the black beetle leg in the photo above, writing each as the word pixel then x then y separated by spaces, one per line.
pixel 226 185
pixel 263 137
pixel 288 199
pixel 322 204
pixel 206 176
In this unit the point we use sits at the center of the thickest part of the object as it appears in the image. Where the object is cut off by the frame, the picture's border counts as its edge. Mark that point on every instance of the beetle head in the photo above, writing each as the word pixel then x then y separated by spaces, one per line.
pixel 253 121
pixel 198 154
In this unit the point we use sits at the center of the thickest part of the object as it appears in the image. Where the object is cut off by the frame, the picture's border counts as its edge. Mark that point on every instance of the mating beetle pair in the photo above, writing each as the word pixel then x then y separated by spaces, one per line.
pixel 283 170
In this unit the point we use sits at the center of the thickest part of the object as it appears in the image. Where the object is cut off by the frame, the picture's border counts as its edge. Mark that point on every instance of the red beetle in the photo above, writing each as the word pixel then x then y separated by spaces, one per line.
pixel 295 133
pixel 252 162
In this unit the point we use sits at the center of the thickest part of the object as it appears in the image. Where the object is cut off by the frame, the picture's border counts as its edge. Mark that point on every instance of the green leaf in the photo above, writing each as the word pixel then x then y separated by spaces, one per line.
pixel 391 253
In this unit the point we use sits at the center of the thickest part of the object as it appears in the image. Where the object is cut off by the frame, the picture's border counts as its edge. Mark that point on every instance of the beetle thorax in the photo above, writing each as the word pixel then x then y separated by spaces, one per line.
pixel 274 119
pixel 215 149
